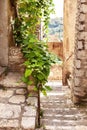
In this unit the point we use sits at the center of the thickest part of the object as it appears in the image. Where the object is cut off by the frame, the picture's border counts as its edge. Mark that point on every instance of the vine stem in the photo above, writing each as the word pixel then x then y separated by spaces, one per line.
pixel 38 106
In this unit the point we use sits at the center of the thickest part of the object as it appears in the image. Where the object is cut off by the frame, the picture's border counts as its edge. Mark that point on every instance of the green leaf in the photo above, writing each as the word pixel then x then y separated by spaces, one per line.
pixel 24 79
pixel 30 82
pixel 44 92
pixel 48 88
pixel 35 88
pixel 28 72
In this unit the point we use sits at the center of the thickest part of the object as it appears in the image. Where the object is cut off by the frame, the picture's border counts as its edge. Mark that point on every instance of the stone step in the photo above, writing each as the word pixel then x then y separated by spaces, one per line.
pixel 58 122
pixel 51 127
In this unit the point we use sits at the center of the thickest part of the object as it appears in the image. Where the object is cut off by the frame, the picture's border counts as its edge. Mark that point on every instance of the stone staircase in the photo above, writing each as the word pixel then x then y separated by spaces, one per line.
pixel 17 110
pixel 59 113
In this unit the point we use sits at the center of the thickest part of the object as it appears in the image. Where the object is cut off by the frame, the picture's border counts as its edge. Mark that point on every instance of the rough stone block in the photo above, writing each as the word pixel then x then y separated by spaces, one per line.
pixel 78 64
pixel 29 111
pixel 84 82
pixel 82 18
pixel 6 93
pixel 9 123
pixel 9 111
pixel 12 80
pixel 76 81
pixel 81 54
pixel 80 45
pixel 28 123
pixel 79 91
pixel 16 59
pixel 81 27
pixel 79 73
pixel 17 99
pixel 83 8
pixel 81 35
pixel 21 91
pixel 32 101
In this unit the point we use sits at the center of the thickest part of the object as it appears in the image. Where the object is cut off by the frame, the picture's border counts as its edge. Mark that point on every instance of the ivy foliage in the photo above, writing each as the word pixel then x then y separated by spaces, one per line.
pixel 26 27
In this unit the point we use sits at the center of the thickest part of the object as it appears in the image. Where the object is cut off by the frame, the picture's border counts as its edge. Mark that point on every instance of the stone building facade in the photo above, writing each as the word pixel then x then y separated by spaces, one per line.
pixel 75 48
pixel 80 54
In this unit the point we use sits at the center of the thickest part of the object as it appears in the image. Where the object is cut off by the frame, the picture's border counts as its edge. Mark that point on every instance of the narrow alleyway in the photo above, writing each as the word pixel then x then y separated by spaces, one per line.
pixel 59 113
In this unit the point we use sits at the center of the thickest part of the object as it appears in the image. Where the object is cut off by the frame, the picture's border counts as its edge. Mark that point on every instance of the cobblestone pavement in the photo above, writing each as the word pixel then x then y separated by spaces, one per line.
pixel 59 113
pixel 17 111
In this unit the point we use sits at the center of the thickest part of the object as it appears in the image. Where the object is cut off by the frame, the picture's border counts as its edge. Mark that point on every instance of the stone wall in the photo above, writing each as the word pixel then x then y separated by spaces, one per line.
pixel 6 38
pixel 70 9
pixel 3 32
pixel 80 54
pixel 10 55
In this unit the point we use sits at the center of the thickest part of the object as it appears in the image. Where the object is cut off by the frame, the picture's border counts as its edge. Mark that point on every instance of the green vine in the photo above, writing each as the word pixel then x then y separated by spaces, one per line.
pixel 30 14
pixel 38 59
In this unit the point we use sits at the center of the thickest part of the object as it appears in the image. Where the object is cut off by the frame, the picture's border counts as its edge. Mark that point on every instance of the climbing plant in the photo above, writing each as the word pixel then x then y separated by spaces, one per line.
pixel 30 15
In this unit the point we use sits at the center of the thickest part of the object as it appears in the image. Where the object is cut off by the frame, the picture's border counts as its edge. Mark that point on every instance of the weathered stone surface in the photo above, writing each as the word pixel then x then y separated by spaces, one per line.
pixel 9 111
pixel 12 80
pixel 77 81
pixel 6 93
pixel 82 17
pixel 81 36
pixel 28 123
pixel 81 127
pixel 63 115
pixel 29 111
pixel 84 82
pixel 9 123
pixel 83 8
pixel 4 34
pixel 21 91
pixel 81 27
pixel 78 64
pixel 16 59
pixel 80 45
pixel 70 11
pixel 85 46
pixel 79 73
pixel 15 112
pixel 32 101
pixel 83 1
pixel 17 99
pixel 81 54
pixel 79 92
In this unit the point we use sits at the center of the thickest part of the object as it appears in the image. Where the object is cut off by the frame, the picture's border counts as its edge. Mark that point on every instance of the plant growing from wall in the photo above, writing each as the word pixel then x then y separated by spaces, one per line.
pixel 37 58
